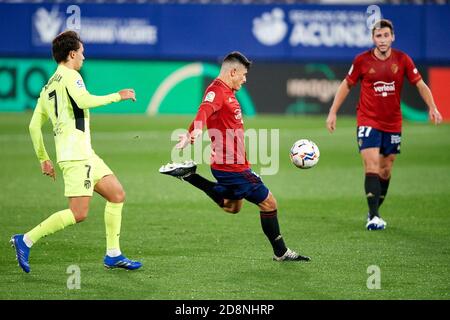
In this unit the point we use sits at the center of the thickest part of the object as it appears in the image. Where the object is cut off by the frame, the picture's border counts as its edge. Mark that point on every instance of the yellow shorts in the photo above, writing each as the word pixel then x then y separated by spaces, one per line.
pixel 81 176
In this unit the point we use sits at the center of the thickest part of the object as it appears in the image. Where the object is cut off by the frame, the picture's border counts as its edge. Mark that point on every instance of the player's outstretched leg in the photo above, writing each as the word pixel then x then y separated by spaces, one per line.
pixel 22 251
pixel 186 171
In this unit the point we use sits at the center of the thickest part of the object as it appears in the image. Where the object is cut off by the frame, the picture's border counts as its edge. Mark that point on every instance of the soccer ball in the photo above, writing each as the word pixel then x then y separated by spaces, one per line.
pixel 304 154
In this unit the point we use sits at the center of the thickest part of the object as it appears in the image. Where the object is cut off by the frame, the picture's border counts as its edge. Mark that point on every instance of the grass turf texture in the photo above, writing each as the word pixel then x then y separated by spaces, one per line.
pixel 193 250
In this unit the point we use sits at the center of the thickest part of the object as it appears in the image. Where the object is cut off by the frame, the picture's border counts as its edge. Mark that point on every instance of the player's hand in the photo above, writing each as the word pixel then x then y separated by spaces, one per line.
pixel 183 141
pixel 127 94
pixel 331 122
pixel 194 135
pixel 435 116
pixel 188 138
pixel 48 170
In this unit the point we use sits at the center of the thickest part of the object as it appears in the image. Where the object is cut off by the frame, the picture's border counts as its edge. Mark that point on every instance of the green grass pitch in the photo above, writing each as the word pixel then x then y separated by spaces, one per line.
pixel 193 250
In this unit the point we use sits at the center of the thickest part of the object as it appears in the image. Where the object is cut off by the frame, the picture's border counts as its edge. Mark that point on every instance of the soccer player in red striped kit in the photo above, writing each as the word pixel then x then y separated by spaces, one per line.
pixel 221 112
pixel 381 71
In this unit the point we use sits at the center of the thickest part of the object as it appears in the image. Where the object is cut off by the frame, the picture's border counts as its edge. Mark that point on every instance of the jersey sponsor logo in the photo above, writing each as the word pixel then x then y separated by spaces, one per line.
pixel 394 68
pixel 384 88
pixel 79 83
pixel 210 96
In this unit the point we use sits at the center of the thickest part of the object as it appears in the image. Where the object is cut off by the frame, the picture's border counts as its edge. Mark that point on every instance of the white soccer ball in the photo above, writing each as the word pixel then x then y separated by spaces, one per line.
pixel 304 154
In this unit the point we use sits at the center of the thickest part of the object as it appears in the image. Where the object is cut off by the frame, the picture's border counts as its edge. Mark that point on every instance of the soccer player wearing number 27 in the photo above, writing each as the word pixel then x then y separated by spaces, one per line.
pixel 66 102
pixel 221 113
pixel 381 71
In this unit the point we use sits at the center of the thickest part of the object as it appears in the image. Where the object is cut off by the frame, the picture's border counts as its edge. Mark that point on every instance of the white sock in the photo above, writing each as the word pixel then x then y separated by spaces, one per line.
pixel 113 253
pixel 27 241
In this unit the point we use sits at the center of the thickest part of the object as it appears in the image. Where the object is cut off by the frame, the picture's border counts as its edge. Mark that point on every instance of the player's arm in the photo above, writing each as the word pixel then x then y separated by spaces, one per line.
pixel 212 102
pixel 415 78
pixel 353 76
pixel 341 94
pixel 195 129
pixel 427 96
pixel 85 100
pixel 35 127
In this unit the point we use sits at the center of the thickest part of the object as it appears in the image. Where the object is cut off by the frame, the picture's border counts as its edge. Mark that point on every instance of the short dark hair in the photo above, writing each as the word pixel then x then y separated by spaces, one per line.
pixel 64 43
pixel 383 23
pixel 236 56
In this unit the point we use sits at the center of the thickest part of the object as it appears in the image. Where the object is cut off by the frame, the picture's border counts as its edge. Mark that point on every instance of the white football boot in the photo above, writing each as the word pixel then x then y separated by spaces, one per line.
pixel 376 223
pixel 179 170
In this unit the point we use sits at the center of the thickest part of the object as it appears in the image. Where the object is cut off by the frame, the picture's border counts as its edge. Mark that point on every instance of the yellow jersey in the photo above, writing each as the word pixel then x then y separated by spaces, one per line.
pixel 66 102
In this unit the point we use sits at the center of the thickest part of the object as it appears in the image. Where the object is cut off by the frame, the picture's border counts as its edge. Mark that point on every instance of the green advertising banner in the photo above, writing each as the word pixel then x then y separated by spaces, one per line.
pixel 161 87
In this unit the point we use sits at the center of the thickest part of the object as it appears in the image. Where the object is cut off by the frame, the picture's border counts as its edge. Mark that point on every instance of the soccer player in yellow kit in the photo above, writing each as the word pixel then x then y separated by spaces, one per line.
pixel 66 102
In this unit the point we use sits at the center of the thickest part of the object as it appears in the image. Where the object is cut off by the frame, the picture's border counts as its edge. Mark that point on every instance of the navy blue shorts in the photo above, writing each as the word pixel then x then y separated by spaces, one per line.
pixel 240 185
pixel 388 142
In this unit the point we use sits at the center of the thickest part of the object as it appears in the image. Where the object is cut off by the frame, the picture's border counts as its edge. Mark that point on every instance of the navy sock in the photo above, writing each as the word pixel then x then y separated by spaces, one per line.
pixel 373 191
pixel 206 186
pixel 384 183
pixel 269 224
